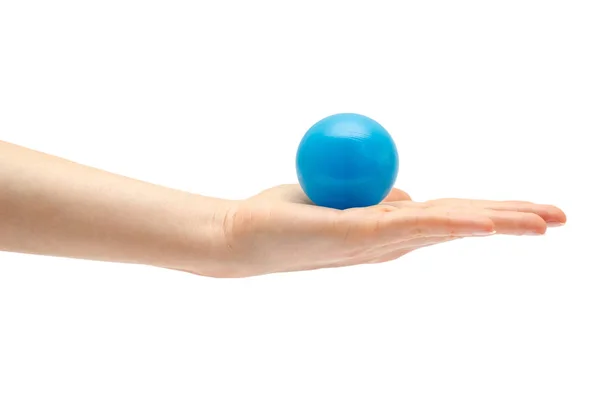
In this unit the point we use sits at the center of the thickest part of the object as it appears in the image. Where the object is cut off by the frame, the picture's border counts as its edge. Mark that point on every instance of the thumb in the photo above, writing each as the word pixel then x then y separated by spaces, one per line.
pixel 397 195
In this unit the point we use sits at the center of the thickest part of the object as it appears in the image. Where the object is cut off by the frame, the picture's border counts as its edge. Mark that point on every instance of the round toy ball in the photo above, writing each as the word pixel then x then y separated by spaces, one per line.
pixel 346 161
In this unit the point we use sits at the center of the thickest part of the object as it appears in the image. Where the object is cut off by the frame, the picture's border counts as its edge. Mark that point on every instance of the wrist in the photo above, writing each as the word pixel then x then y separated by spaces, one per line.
pixel 202 247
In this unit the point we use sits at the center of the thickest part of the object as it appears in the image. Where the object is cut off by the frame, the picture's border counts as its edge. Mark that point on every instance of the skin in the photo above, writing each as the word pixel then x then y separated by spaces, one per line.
pixel 51 206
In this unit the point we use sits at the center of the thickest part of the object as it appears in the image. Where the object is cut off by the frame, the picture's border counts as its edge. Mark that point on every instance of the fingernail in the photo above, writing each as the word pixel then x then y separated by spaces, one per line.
pixel 555 224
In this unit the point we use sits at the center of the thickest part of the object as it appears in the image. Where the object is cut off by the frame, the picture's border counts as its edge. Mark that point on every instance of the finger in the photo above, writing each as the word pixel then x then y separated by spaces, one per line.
pixel 552 215
pixel 412 223
pixel 381 225
pixel 505 221
pixel 397 195
pixel 516 223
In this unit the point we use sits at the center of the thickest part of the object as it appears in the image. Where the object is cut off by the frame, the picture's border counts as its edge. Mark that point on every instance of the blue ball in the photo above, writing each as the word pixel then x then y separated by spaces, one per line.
pixel 347 160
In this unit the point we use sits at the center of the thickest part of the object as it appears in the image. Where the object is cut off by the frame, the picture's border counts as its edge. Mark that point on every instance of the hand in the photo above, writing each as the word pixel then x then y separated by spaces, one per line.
pixel 51 206
pixel 280 230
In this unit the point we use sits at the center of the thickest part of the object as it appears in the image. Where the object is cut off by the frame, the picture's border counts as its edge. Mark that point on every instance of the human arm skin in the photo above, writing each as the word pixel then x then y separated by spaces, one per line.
pixel 51 206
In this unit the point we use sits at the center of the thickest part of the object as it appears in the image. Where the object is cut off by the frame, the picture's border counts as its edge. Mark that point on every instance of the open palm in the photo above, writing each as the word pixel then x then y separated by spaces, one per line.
pixel 280 229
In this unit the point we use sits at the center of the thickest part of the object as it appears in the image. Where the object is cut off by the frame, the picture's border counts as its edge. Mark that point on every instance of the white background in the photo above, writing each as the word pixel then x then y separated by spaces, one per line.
pixel 485 99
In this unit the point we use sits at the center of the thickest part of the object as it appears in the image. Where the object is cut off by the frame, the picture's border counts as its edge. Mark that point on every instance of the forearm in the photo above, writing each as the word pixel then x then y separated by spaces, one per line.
pixel 51 206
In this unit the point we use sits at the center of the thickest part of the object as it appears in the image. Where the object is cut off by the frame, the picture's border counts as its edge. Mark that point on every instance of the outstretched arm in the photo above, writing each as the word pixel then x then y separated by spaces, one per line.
pixel 51 206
